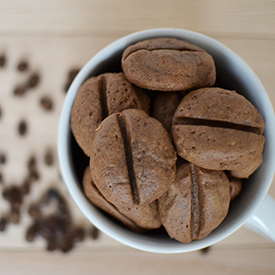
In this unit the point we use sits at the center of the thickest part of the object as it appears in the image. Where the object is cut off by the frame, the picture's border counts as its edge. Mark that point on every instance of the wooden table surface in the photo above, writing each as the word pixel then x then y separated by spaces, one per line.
pixel 60 35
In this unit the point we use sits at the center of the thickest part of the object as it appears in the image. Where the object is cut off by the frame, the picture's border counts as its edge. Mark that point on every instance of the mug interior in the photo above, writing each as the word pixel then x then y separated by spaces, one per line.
pixel 232 73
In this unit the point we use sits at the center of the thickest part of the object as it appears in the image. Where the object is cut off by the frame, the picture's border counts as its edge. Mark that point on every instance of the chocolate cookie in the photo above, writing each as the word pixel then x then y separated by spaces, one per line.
pixel 163 108
pixel 219 129
pixel 195 204
pixel 97 199
pixel 132 160
pixel 99 97
pixel 236 185
pixel 168 64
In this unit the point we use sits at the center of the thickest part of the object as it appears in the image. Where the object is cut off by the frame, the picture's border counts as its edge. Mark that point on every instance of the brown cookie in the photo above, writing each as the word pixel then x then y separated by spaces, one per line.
pixel 236 185
pixel 168 64
pixel 163 108
pixel 99 97
pixel 97 199
pixel 219 129
pixel 195 204
pixel 132 160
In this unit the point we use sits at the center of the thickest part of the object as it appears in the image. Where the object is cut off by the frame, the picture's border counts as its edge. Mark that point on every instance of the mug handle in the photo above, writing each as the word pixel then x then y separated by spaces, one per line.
pixel 262 221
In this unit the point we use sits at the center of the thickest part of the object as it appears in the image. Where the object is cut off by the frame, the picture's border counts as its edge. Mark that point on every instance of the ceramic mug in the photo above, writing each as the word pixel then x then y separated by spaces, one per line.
pixel 254 207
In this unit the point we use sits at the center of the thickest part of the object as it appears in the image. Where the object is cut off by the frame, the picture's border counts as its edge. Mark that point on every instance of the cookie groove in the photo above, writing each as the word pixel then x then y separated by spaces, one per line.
pixel 195 204
pixel 216 123
pixel 103 97
pixel 129 156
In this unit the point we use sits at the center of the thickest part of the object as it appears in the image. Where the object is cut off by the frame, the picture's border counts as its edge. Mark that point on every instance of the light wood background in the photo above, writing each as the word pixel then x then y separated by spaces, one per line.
pixel 57 35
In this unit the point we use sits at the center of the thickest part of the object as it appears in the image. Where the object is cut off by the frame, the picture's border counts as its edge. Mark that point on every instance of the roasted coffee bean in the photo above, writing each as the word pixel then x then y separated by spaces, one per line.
pixel 25 188
pixel 205 250
pixel 22 128
pixel 32 163
pixel 67 243
pixel 20 90
pixel 46 103
pixel 1 178
pixel 49 157
pixel 34 176
pixel 13 194
pixel 71 76
pixel 3 60
pixel 33 80
pixel 79 234
pixel 52 244
pixel 34 211
pixel 32 232
pixel 94 233
pixel 1 113
pixel 22 66
pixel 14 216
pixel 3 158
pixel 3 224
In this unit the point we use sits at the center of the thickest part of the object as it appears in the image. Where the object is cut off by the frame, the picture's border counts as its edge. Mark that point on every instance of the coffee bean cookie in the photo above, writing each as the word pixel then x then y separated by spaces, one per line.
pixel 236 185
pixel 168 64
pixel 97 199
pixel 99 97
pixel 163 108
pixel 195 204
pixel 219 129
pixel 132 160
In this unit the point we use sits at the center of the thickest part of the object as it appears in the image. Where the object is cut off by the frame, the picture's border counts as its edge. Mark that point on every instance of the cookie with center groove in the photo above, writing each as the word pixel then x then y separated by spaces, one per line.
pixel 132 160
pixel 99 97
pixel 137 218
pixel 195 204
pixel 168 64
pixel 219 129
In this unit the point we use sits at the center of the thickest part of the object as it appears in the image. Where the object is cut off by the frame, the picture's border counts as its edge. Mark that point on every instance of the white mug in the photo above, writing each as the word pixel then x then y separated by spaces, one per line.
pixel 254 207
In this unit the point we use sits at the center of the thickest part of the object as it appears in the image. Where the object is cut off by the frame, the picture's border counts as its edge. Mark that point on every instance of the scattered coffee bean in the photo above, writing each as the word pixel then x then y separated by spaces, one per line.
pixel 94 233
pixel 205 250
pixel 0 112
pixel 20 90
pixel 3 224
pixel 70 77
pixel 46 103
pixel 1 178
pixel 49 157
pixel 67 242
pixel 33 80
pixel 26 186
pixel 52 245
pixel 32 166
pixel 22 66
pixel 22 128
pixel 13 195
pixel 34 212
pixel 3 60
pixel 3 158
pixel 14 216
pixel 32 232
pixel 79 234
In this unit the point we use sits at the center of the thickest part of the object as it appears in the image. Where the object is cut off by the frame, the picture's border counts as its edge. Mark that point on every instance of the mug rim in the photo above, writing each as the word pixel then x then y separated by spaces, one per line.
pixel 65 160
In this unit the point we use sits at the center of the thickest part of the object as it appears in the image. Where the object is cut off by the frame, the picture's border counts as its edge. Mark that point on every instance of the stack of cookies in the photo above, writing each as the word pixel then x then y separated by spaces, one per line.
pixel 166 147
